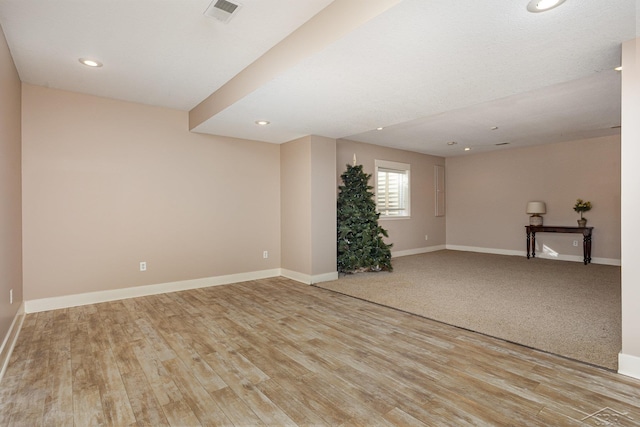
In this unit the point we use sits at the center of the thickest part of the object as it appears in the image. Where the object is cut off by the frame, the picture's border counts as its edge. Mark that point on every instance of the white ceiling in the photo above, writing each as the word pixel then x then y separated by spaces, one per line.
pixel 429 72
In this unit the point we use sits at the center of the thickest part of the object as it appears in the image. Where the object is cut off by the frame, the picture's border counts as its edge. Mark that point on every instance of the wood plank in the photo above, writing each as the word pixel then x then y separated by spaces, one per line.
pixel 160 382
pixel 264 408
pixel 274 352
pixel 305 398
pixel 29 408
pixel 238 412
pixel 86 395
pixel 59 400
pixel 194 363
pixel 400 418
pixel 195 396
pixel 144 404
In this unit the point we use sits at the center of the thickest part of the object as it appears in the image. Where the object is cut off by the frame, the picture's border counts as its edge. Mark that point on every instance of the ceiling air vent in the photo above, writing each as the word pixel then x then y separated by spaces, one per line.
pixel 222 10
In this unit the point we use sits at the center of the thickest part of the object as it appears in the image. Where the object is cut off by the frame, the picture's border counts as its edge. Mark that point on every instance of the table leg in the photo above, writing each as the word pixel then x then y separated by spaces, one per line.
pixel 528 242
pixel 586 247
pixel 533 244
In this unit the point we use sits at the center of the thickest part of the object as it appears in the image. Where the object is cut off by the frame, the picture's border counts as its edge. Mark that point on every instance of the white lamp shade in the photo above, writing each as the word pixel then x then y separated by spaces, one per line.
pixel 536 208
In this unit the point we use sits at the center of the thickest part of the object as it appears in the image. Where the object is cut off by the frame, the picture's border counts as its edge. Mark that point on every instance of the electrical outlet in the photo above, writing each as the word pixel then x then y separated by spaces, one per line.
pixel 265 254
pixel 575 243
pixel 143 266
pixel 426 237
pixel 10 296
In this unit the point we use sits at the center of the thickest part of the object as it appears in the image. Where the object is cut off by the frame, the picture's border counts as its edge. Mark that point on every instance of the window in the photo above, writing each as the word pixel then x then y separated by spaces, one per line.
pixel 392 189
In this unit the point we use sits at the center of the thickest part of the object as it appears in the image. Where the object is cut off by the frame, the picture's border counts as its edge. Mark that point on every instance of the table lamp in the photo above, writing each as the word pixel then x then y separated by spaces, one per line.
pixel 535 209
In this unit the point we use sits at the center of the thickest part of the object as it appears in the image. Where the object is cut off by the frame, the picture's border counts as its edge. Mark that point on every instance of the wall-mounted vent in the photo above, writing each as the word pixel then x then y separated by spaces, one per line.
pixel 222 10
pixel 502 143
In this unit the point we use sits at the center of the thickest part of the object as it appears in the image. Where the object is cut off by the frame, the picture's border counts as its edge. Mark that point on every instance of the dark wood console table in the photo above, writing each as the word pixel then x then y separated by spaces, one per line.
pixel 585 231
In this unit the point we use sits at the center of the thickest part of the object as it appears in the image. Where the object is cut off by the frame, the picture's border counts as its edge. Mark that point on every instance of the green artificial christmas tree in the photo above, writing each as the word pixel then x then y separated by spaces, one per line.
pixel 360 244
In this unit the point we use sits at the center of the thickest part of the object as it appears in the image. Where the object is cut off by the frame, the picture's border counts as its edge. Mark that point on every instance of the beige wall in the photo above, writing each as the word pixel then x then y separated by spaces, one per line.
pixel 630 355
pixel 323 206
pixel 488 193
pixel 295 187
pixel 405 234
pixel 308 208
pixel 108 184
pixel 10 190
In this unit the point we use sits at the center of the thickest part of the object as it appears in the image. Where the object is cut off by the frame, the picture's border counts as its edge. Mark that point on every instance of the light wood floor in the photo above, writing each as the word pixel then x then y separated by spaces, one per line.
pixel 274 352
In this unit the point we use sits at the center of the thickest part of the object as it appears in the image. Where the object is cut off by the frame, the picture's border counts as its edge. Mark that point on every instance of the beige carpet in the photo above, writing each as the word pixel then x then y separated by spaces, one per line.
pixel 562 307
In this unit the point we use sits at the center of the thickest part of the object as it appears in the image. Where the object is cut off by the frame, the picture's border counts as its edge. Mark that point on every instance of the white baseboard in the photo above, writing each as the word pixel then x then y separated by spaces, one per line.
pixel 543 255
pixel 10 340
pixel 294 275
pixel 629 365
pixel 485 250
pixel 326 277
pixel 395 254
pixel 308 279
pixel 53 303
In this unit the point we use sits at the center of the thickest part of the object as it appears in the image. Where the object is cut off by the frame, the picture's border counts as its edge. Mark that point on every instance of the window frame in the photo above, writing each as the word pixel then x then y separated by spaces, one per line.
pixel 402 168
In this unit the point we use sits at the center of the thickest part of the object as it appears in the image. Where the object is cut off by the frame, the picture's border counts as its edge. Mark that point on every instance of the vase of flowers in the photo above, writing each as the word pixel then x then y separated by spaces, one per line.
pixel 582 206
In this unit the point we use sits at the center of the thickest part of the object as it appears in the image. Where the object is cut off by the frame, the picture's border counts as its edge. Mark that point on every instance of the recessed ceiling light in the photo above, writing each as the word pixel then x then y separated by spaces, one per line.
pixel 494 128
pixel 467 149
pixel 618 68
pixel 536 6
pixel 379 128
pixel 262 122
pixel 451 143
pixel 90 62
